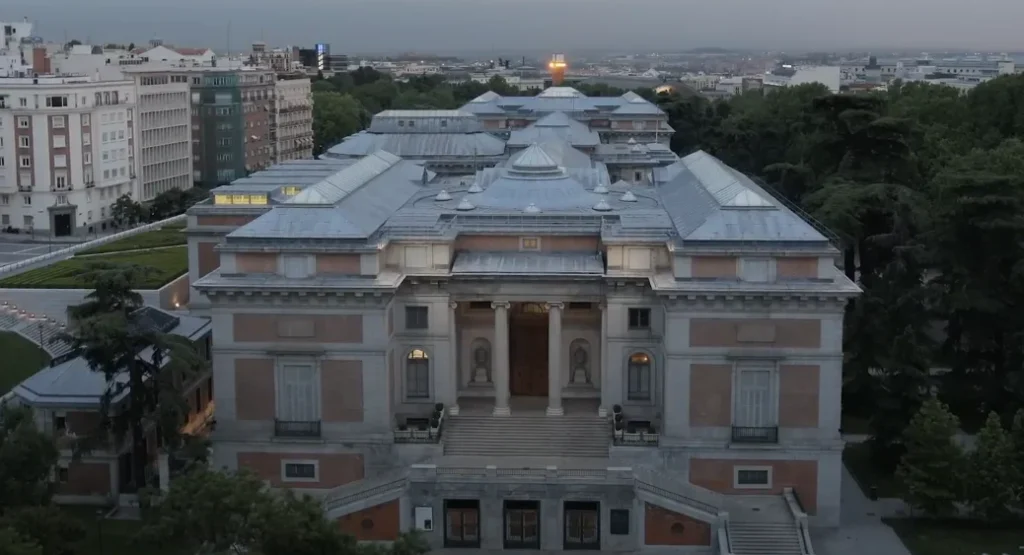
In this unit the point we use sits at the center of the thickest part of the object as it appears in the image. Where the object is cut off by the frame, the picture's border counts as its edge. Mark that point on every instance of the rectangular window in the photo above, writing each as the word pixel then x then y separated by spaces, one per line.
pixel 638 377
pixel 522 525
pixel 23 122
pixel 639 318
pixel 62 474
pixel 752 477
pixel 57 101
pixel 24 141
pixel 105 137
pixel 300 471
pixel 25 161
pixel 529 243
pixel 5 199
pixel 27 221
pixel 417 375
pixel 298 396
pixel 462 523
pixel 26 178
pixel 86 139
pixel 60 161
pixel 26 200
pixel 87 158
pixel 619 525
pixel 60 179
pixel 416 318
pixel 58 122
pixel 2 162
pixel 60 141
pixel 756 269
pixel 755 395
pixel 120 134
pixel 85 120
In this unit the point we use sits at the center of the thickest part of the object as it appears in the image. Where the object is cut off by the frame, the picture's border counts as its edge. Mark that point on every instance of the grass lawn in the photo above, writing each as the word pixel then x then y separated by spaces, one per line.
pixel 866 472
pixel 958 537
pixel 23 358
pixel 164 237
pixel 168 264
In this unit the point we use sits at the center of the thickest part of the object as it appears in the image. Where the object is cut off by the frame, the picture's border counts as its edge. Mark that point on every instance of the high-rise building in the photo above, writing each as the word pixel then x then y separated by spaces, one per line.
pixel 164 130
pixel 292 119
pixel 67 152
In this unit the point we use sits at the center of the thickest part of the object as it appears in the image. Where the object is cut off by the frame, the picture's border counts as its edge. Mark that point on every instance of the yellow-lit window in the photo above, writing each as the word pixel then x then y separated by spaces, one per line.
pixel 258 199
pixel 222 199
pixel 239 199
pixel 291 190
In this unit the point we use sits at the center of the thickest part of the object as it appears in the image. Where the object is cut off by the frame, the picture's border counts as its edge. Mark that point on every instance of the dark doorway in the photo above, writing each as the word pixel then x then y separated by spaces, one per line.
pixel 522 525
pixel 461 523
pixel 528 350
pixel 61 225
pixel 582 525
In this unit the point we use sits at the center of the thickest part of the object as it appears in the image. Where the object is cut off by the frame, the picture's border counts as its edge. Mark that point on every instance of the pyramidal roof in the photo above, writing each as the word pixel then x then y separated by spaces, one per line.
pixel 486 97
pixel 534 161
pixel 560 92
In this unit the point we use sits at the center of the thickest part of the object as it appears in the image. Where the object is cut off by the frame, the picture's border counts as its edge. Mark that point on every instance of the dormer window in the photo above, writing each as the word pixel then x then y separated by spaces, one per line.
pixel 401 123
pixel 412 123
pixel 444 123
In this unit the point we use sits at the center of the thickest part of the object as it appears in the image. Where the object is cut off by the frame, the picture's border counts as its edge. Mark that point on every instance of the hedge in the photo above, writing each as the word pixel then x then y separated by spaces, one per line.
pixel 167 264
pixel 164 237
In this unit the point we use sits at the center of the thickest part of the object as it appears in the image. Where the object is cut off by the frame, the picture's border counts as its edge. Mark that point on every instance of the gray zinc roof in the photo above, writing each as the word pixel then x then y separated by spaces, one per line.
pixel 557 126
pixel 419 146
pixel 425 121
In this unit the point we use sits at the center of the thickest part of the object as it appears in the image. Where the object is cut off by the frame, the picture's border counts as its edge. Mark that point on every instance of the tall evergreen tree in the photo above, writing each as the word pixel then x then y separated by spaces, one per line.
pixel 930 470
pixel 993 474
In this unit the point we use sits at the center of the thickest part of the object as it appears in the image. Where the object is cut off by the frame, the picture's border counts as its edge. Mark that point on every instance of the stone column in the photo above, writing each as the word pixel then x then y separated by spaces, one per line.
pixel 501 392
pixel 606 400
pixel 453 357
pixel 555 359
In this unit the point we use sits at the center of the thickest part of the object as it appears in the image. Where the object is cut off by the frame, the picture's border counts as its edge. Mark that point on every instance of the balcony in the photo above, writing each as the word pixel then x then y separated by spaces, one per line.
pixel 285 428
pixel 762 435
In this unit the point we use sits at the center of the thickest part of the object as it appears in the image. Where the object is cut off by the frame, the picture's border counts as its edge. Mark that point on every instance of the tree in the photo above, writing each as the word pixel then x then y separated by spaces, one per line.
pixel 1017 440
pixel 29 523
pixel 126 212
pixel 27 459
pixel 147 366
pixel 208 511
pixel 930 470
pixel 993 474
pixel 335 116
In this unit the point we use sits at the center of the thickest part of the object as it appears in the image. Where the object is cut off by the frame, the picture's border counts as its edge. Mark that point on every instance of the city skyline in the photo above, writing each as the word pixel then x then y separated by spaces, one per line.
pixel 447 26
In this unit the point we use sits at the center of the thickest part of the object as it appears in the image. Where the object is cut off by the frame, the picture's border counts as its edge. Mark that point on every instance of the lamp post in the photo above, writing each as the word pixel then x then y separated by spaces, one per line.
pixel 99 529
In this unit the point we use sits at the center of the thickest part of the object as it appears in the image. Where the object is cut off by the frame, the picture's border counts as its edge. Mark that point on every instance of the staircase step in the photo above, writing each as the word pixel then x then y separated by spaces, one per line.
pixel 530 434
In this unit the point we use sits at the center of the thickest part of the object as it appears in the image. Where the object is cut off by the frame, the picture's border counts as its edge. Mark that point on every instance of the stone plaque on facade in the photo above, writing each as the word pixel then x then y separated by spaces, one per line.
pixel 294 327
pixel 755 333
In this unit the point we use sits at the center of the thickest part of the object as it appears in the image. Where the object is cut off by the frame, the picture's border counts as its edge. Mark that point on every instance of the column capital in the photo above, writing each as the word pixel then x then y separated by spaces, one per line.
pixel 453 305
pixel 557 305
pixel 500 304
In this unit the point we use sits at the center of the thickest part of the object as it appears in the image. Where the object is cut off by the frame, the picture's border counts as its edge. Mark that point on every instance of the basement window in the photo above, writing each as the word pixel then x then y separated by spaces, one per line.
pixel 752 477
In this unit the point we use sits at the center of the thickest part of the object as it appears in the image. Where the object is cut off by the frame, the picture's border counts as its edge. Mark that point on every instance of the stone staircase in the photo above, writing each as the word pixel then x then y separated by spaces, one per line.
pixel 533 435
pixel 763 525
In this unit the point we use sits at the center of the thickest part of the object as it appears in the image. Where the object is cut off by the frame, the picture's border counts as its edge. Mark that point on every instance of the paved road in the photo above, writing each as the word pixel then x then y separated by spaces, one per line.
pixel 11 252
pixel 861 531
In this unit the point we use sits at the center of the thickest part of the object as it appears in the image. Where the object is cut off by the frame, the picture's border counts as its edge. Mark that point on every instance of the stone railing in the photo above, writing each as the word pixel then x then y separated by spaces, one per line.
pixel 722 534
pixel 365 489
pixel 800 517
pixel 492 473
pixel 660 484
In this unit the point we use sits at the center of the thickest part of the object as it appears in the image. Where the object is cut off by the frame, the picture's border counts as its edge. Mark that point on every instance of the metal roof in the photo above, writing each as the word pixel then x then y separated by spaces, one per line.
pixel 556 125
pixel 337 185
pixel 420 146
pixel 425 121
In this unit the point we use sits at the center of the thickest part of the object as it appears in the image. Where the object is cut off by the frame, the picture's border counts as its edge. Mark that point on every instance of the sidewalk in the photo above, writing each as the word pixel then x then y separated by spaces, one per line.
pixel 861 530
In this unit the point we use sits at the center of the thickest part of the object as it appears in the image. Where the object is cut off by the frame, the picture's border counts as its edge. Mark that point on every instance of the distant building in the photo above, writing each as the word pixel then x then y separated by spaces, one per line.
pixel 292 118
pixel 176 55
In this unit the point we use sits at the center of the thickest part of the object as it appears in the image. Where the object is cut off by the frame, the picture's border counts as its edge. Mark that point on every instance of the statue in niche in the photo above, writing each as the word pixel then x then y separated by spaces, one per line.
pixel 482 363
pixel 580 364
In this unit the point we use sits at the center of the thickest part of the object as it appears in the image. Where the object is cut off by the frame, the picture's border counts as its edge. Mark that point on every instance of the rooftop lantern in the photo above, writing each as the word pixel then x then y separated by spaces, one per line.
pixel 532 209
pixel 628 196
pixel 475 188
pixel 443 195
pixel 601 189
pixel 465 205
pixel 602 206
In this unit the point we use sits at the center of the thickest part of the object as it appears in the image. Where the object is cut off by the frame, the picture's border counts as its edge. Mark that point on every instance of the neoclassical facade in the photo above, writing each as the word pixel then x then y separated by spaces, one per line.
pixel 618 366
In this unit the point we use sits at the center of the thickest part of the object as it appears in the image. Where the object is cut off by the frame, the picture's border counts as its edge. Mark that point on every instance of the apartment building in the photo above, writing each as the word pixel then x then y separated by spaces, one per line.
pixel 232 116
pixel 67 152
pixel 527 356
pixel 292 124
pixel 164 130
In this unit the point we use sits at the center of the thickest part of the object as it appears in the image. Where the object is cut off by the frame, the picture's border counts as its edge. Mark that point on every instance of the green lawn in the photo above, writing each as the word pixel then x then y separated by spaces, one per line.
pixel 866 472
pixel 165 237
pixel 168 264
pixel 958 537
pixel 23 358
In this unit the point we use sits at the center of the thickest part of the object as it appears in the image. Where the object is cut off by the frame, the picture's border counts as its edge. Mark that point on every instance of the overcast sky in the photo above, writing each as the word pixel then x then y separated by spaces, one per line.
pixel 496 25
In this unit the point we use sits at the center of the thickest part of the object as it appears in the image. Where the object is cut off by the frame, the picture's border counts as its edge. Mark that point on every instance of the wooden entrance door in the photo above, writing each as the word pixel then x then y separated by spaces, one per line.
pixel 528 351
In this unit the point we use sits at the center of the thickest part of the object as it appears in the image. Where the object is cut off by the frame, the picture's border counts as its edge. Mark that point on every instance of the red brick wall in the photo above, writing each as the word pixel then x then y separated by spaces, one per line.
pixel 380 523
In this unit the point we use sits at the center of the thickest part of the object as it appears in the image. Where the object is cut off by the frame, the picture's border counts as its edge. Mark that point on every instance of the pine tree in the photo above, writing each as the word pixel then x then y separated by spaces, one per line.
pixel 991 479
pixel 1017 439
pixel 930 469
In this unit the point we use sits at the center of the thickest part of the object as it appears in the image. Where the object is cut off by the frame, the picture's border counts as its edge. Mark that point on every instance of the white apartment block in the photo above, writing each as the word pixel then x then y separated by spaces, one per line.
pixel 292 124
pixel 66 152
pixel 165 131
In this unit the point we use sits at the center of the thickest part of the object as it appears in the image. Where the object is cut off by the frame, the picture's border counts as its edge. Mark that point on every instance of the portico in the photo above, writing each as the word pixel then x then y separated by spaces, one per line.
pixel 526 349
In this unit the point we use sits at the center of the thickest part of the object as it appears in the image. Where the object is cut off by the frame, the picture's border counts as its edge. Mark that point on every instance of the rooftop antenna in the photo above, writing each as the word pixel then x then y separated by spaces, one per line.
pixel 227 44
